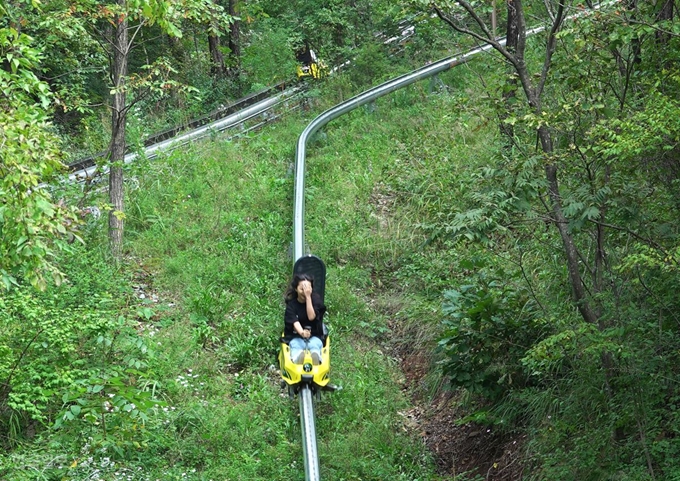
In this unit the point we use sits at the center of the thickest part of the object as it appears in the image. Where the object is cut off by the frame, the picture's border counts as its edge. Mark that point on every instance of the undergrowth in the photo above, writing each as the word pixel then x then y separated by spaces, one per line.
pixel 180 380
pixel 195 393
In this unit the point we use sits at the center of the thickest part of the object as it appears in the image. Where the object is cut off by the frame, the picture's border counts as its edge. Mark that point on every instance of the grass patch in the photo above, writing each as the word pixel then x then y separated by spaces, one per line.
pixel 209 226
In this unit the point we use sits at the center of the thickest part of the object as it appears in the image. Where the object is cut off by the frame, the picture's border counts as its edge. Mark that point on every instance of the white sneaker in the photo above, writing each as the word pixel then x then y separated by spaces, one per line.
pixel 316 359
pixel 300 359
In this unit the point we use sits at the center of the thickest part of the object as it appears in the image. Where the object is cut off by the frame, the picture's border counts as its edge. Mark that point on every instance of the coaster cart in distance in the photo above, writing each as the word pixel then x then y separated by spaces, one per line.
pixel 316 377
pixel 309 66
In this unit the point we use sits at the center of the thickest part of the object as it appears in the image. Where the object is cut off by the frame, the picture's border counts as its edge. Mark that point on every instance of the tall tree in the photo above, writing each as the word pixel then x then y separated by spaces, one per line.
pixel 235 7
pixel 120 51
pixel 116 26
pixel 533 90
pixel 595 158
pixel 218 67
pixel 217 29
pixel 510 91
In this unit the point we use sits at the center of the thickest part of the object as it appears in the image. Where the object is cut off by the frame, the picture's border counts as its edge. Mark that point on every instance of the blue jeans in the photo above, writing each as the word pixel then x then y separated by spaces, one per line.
pixel 298 344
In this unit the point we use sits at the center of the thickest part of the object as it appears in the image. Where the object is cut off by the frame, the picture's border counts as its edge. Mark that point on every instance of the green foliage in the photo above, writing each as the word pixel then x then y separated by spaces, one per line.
pixel 76 64
pixel 404 200
pixel 333 28
pixel 112 411
pixel 211 224
pixel 589 398
pixel 370 66
pixel 33 227
pixel 68 346
pixel 231 285
pixel 269 58
pixel 488 326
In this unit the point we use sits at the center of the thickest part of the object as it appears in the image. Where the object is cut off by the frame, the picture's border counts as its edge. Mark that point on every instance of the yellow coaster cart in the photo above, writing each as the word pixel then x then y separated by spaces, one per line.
pixel 315 70
pixel 310 66
pixel 295 375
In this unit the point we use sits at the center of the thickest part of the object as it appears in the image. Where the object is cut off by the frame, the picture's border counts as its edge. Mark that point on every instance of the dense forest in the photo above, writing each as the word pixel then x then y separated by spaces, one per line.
pixel 501 241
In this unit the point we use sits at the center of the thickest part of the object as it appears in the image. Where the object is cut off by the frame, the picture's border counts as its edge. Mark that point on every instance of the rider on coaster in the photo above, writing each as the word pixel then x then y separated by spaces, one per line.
pixel 303 319
pixel 306 56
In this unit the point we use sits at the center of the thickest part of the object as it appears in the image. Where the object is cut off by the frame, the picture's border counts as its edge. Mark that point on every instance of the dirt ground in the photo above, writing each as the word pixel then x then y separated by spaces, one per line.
pixel 458 448
pixel 469 448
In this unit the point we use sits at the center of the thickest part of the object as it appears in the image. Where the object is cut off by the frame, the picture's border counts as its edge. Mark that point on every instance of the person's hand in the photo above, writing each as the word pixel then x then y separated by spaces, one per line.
pixel 306 333
pixel 307 290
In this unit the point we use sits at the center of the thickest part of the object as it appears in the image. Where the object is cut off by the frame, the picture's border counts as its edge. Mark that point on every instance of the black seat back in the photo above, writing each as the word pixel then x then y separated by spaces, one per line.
pixel 313 265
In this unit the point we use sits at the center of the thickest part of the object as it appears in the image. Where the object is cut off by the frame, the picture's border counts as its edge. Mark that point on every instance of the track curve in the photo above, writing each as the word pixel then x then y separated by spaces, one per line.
pixel 370 95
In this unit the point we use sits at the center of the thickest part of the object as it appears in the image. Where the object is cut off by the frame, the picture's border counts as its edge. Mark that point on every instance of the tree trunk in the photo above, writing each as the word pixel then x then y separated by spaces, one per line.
pixel 510 92
pixel 235 38
pixel 512 29
pixel 218 69
pixel 570 251
pixel 665 14
pixel 119 69
pixel 533 91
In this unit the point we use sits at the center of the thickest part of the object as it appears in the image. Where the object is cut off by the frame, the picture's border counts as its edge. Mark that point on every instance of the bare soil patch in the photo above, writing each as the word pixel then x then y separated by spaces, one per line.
pixel 468 450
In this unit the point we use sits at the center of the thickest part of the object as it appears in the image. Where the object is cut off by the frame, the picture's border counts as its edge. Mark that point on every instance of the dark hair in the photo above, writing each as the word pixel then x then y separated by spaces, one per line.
pixel 291 292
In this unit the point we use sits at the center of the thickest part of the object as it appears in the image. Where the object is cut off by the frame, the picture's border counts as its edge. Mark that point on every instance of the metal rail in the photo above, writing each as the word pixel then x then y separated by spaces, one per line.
pixel 308 433
pixel 306 407
pixel 370 96
pixel 215 115
pixel 237 118
pixel 220 112
pixel 345 107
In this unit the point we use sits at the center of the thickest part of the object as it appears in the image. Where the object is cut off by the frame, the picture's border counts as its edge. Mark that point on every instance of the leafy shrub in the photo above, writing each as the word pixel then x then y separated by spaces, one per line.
pixel 370 65
pixel 33 227
pixel 43 345
pixel 267 60
pixel 69 358
pixel 488 326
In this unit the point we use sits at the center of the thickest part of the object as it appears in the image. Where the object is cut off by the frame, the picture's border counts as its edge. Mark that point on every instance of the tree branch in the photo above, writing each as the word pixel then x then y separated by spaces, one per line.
pixel 650 242
pixel 132 37
pixel 526 279
pixel 549 10
pixel 6 388
pixel 550 49
pixel 651 25
pixel 657 298
pixel 489 37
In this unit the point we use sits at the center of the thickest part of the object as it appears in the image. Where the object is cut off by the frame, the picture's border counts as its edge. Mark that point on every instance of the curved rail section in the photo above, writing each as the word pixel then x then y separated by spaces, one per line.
pixel 306 405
